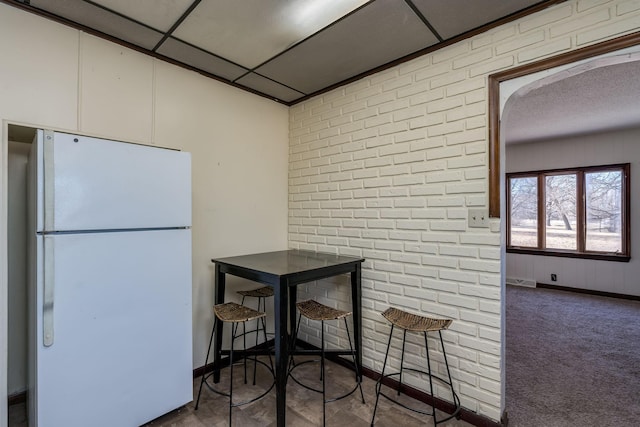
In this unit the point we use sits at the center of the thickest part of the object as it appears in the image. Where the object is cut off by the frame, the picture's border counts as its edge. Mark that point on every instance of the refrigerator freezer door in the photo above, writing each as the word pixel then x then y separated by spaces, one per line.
pixel 122 353
pixel 95 184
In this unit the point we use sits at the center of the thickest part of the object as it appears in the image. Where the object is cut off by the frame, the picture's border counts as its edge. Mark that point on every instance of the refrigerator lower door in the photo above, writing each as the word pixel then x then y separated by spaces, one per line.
pixel 121 351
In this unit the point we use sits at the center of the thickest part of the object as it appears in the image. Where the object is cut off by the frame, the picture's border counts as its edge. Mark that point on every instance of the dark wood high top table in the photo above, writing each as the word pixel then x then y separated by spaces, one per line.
pixel 284 270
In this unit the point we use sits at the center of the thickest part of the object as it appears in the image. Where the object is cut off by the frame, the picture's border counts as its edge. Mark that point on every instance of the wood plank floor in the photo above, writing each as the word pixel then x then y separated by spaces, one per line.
pixel 304 407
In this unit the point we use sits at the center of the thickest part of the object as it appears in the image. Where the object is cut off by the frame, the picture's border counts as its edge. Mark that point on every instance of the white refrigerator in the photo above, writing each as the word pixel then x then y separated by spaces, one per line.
pixel 110 282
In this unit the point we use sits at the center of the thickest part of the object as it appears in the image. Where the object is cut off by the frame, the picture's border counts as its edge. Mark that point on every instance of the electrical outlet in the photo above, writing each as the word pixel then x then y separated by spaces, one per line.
pixel 478 218
pixel 554 277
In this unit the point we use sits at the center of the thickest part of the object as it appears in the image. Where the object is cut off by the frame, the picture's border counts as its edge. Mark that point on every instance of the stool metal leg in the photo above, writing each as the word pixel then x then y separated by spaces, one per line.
pixel 404 340
pixel 444 354
pixel 262 304
pixel 244 345
pixel 234 333
pixel 292 346
pixel 379 383
pixel 206 360
pixel 433 396
pixel 233 338
pixel 255 356
pixel 264 332
pixel 355 363
pixel 324 397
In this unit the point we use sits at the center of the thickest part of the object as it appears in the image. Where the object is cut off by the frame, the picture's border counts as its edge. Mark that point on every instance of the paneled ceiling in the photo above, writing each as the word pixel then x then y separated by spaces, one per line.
pixel 286 50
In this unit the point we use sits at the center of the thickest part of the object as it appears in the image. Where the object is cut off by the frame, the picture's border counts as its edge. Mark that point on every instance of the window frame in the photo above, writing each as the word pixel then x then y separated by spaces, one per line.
pixel 623 256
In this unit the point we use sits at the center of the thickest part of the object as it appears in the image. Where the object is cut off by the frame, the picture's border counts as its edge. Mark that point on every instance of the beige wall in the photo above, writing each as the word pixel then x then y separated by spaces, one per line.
pixel 388 168
pixel 56 77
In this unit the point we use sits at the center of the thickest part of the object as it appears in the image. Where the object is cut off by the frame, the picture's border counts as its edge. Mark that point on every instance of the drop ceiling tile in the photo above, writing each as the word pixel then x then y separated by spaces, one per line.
pixel 197 58
pixel 250 32
pixel 158 14
pixel 376 34
pixel 453 17
pixel 269 87
pixel 95 17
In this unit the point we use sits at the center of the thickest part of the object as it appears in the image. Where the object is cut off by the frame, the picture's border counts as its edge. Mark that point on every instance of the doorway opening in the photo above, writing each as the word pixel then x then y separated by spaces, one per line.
pixel 19 140
pixel 502 87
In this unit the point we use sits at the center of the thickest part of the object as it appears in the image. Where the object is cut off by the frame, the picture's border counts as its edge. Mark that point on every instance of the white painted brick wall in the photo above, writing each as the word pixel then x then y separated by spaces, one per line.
pixel 387 167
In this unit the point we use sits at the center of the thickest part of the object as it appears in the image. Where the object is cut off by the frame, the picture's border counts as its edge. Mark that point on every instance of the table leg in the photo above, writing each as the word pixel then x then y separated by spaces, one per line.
pixel 356 302
pixel 293 298
pixel 219 299
pixel 280 302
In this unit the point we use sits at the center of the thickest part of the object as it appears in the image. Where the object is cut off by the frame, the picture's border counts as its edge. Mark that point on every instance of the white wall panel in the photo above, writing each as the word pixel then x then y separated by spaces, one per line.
pixel 38 71
pixel 239 156
pixel 116 87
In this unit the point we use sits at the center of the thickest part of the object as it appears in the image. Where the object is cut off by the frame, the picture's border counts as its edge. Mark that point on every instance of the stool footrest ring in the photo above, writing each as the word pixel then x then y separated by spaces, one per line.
pixel 226 394
pixel 308 387
pixel 456 402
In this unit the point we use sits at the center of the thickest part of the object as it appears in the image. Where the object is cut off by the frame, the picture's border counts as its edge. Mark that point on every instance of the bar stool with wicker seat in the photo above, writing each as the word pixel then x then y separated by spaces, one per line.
pixel 313 310
pixel 415 323
pixel 233 313
pixel 261 294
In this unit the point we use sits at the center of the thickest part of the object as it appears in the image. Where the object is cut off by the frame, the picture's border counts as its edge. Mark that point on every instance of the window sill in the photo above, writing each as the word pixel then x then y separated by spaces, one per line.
pixel 567 254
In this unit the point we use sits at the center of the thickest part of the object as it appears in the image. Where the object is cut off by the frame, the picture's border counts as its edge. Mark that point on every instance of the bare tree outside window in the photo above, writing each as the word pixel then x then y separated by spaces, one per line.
pixel 604 211
pixel 524 211
pixel 579 212
pixel 560 211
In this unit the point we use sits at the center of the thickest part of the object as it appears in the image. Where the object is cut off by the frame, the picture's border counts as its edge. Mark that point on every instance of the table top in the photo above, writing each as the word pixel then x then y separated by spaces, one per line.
pixel 289 262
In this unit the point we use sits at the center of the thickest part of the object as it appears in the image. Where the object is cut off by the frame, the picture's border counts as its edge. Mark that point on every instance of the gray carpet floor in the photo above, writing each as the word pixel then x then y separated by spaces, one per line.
pixel 571 359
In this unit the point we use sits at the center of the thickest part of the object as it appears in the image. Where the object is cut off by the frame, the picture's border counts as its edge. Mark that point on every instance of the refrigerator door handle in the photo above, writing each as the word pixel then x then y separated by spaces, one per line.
pixel 49 181
pixel 48 292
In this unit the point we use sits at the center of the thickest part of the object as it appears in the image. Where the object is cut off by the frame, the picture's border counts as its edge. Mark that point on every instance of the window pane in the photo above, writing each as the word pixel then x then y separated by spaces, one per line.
pixel 560 212
pixel 604 211
pixel 524 212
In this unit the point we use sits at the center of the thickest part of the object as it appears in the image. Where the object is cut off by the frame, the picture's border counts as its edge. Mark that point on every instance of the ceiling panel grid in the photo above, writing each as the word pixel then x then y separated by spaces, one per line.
pixel 286 50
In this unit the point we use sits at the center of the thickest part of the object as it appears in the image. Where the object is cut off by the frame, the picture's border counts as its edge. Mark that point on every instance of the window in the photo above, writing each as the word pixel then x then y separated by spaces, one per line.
pixel 581 212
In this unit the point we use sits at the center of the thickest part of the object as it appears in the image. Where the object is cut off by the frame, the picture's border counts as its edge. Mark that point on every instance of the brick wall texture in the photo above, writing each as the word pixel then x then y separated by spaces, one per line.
pixel 388 167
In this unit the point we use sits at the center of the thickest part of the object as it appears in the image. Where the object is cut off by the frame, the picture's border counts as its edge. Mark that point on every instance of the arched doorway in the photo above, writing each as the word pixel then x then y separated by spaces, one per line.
pixel 508 87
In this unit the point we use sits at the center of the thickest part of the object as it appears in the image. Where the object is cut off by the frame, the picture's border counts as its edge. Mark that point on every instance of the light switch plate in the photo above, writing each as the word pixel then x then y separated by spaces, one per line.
pixel 478 218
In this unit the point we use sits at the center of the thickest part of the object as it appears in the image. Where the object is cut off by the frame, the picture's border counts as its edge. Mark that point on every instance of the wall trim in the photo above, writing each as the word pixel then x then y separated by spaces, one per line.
pixel 545 64
pixel 421 396
pixel 588 291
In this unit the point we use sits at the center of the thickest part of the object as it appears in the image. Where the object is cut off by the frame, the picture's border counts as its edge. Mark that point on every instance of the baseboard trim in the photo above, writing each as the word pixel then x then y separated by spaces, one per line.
pixel 505 419
pixel 588 291
pixel 421 396
pixel 17 398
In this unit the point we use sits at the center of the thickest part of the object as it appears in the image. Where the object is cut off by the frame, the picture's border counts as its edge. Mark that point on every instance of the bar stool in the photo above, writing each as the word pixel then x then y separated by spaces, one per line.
pixel 313 310
pixel 261 294
pixel 415 323
pixel 233 313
